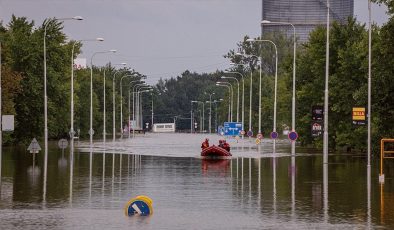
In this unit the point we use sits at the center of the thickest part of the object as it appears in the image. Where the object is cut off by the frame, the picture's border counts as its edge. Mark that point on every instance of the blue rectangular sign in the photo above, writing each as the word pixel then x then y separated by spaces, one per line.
pixel 232 128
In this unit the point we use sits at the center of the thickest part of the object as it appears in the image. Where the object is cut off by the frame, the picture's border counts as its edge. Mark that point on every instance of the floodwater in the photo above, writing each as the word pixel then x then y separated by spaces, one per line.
pixel 258 188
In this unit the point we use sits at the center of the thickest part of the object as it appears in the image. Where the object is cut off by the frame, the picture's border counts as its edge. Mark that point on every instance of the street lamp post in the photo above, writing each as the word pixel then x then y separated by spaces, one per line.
pixel 369 83
pixel 72 132
pixel 134 102
pixel 216 112
pixel 294 76
pixel 210 111
pixel 325 136
pixel 224 77
pixel 139 104
pixel 104 105
pixel 128 122
pixel 276 78
pixel 243 97
pixel 201 115
pixel 229 118
pixel 121 102
pixel 46 97
pixel 191 116
pixel 152 113
pixel 139 95
pixel 1 125
pixel 113 105
pixel 250 97
pixel 232 96
pixel 91 131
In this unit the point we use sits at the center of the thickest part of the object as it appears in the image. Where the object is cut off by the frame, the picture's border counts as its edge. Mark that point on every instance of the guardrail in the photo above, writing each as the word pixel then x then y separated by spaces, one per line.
pixel 383 155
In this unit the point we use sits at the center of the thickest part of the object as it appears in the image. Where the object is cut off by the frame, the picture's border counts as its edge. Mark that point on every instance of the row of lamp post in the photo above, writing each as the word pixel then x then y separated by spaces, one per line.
pixel 326 92
pixel 202 119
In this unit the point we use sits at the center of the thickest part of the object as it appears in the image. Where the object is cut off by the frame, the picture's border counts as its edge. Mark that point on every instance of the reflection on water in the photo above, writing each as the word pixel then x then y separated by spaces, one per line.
pixel 260 187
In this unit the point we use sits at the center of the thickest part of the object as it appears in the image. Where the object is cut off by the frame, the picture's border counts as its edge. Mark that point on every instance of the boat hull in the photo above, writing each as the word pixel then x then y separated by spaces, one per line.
pixel 215 152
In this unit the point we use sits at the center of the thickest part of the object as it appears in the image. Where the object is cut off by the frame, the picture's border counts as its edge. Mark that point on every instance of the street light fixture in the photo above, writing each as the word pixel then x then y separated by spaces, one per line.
pixel 216 112
pixel 201 116
pixel 325 135
pixel 232 95
pixel 46 98
pixel 224 77
pixel 104 105
pixel 276 77
pixel 72 132
pixel 210 111
pixel 128 122
pixel 191 116
pixel 121 102
pixel 91 131
pixel 369 83
pixel 139 95
pixel 250 95
pixel 136 102
pixel 1 126
pixel 294 77
pixel 113 103
pixel 230 102
pixel 243 96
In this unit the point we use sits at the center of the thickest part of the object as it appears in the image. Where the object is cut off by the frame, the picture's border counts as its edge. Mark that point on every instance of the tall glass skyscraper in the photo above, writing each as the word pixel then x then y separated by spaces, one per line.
pixel 305 15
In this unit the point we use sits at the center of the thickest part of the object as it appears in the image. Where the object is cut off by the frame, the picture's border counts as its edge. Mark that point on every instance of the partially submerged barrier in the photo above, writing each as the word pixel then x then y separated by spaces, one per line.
pixel 384 154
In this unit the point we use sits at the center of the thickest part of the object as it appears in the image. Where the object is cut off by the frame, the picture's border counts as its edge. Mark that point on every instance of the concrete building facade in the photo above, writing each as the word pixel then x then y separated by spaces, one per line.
pixel 305 15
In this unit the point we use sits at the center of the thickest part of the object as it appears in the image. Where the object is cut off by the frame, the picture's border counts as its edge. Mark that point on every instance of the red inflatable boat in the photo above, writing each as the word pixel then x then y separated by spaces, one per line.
pixel 221 151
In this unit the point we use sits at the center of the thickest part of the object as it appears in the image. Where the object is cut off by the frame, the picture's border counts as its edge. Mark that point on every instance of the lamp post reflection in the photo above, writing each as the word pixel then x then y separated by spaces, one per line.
pixel 293 172
pixel 103 178
pixel 71 175
pixel 369 198
pixel 90 174
pixel 325 192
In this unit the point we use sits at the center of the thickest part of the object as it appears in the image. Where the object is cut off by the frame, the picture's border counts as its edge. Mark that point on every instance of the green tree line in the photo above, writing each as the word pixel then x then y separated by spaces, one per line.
pixel 23 83
pixel 348 83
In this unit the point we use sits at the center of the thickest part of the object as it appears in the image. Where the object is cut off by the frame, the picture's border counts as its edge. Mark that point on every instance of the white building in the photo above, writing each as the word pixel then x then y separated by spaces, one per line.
pixel 164 128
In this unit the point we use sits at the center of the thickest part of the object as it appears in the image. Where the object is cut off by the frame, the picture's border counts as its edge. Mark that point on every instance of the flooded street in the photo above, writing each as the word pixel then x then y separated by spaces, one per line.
pixel 258 188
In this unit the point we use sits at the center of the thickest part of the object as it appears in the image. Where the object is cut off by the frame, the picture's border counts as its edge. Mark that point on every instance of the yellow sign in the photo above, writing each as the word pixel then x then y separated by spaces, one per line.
pixel 258 141
pixel 358 114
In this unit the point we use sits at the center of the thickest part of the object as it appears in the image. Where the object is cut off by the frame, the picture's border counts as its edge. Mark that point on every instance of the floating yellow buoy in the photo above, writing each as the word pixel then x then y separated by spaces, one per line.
pixel 140 205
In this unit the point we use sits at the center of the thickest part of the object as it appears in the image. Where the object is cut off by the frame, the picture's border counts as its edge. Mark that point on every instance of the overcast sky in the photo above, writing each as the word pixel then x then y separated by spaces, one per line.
pixel 158 38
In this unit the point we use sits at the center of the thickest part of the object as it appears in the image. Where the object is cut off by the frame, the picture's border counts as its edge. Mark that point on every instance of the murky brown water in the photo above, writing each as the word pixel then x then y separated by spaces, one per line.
pixel 256 189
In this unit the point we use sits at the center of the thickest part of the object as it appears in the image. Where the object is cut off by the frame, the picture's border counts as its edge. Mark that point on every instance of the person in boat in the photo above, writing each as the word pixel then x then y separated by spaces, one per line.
pixel 226 146
pixel 220 143
pixel 205 144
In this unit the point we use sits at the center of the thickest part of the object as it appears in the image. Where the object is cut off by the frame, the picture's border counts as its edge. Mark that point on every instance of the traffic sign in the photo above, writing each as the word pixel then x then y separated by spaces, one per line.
pixel 141 205
pixel 317 129
pixel 260 136
pixel 63 143
pixel 258 141
pixel 71 133
pixel 232 128
pixel 293 135
pixel 221 130
pixel 359 115
pixel 317 113
pixel 243 132
pixel 91 132
pixel 249 133
pixel 34 147
pixel 274 135
pixel 7 123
